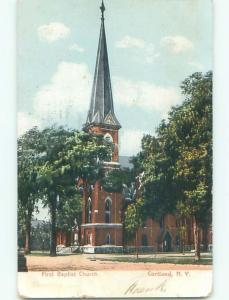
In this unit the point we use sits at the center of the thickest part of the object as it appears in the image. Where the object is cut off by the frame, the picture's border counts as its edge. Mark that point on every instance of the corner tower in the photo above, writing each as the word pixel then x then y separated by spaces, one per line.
pixel 101 219
pixel 101 117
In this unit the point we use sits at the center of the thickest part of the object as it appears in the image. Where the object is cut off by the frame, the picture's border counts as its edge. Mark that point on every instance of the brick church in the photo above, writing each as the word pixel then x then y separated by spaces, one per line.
pixel 102 217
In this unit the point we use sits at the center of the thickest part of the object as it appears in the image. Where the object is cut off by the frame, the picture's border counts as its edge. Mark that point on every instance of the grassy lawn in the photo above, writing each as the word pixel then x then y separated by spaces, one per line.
pixel 160 260
pixel 157 258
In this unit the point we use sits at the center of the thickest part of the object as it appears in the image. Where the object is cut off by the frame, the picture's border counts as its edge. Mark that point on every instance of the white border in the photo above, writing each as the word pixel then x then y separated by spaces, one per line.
pixel 8 147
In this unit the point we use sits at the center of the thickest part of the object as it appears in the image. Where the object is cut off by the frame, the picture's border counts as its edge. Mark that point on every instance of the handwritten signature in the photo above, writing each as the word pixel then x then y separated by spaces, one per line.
pixel 136 288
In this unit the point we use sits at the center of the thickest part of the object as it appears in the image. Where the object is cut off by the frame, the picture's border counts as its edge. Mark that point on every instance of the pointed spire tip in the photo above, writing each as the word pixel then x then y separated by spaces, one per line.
pixel 102 8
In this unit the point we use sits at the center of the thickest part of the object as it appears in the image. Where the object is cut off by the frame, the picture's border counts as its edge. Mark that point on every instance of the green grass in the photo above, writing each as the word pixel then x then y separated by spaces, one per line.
pixel 206 259
pixel 161 260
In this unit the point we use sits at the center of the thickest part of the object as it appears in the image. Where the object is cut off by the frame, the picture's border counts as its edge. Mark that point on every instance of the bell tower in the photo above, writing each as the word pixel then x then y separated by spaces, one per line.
pixel 101 220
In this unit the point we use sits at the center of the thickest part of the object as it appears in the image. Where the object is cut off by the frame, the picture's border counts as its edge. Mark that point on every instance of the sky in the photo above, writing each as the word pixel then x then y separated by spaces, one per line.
pixel 153 45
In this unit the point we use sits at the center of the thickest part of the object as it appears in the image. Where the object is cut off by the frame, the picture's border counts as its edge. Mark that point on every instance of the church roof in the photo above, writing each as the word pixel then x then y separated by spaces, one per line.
pixel 101 111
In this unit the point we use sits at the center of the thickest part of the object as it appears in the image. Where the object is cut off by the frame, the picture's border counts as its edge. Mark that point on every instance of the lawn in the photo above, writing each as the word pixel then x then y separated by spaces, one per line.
pixel 205 260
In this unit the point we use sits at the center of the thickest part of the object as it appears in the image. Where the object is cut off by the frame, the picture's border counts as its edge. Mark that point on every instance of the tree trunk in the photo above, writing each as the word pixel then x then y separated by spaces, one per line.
pixel 53 206
pixel 28 232
pixel 136 243
pixel 196 238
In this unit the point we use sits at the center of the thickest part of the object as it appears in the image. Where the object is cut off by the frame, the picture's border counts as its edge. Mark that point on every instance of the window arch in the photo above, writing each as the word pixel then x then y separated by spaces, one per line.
pixel 108 210
pixel 89 210
pixel 108 138
pixel 108 239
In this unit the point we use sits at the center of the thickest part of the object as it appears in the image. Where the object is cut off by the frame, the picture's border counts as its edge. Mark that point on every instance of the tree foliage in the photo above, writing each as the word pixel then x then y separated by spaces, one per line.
pixel 28 191
pixel 134 217
pixel 69 209
pixel 68 156
pixel 115 180
pixel 51 161
pixel 176 164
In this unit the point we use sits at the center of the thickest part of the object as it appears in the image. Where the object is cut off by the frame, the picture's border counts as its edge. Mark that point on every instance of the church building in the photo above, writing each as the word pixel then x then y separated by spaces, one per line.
pixel 102 217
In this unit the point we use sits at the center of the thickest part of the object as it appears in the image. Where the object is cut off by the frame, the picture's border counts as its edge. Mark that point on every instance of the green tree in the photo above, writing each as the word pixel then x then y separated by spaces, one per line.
pixel 176 165
pixel 66 157
pixel 115 180
pixel 193 168
pixel 158 188
pixel 28 190
pixel 52 178
pixel 134 219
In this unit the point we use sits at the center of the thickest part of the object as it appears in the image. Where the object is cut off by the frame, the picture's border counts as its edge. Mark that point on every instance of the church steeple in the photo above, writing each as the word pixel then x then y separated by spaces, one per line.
pixel 101 111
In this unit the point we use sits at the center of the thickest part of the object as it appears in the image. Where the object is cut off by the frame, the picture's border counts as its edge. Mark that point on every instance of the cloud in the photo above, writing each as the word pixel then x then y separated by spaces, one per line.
pixel 150 53
pixel 145 95
pixel 130 141
pixel 76 47
pixel 25 121
pixel 65 99
pixel 196 65
pixel 146 50
pixel 130 42
pixel 53 31
pixel 177 44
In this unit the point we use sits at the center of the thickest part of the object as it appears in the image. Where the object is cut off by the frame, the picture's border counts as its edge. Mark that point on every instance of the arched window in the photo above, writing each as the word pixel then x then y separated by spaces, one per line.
pixel 108 239
pixel 108 210
pixel 108 138
pixel 89 210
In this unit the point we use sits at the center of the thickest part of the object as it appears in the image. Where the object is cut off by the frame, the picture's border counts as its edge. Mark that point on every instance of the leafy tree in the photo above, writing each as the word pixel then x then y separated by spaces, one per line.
pixel 158 189
pixel 193 168
pixel 177 163
pixel 52 178
pixel 116 180
pixel 134 219
pixel 66 157
pixel 28 190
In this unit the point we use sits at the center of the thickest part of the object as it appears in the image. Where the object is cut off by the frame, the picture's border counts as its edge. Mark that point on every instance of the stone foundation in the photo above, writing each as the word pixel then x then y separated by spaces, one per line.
pixel 101 249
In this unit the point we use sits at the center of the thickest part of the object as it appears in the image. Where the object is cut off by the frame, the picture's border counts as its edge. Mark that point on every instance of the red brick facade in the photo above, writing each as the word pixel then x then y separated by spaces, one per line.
pixel 168 237
pixel 102 211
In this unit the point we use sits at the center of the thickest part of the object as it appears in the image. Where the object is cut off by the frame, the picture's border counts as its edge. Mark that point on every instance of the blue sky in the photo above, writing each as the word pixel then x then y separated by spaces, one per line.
pixel 153 45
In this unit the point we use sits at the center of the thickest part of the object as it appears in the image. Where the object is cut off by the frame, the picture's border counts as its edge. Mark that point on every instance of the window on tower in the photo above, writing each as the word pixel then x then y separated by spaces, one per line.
pixel 89 210
pixel 108 210
pixel 108 138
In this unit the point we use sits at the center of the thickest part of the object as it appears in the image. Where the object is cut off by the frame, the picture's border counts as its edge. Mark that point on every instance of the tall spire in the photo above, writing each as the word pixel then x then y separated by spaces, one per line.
pixel 101 111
